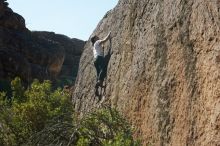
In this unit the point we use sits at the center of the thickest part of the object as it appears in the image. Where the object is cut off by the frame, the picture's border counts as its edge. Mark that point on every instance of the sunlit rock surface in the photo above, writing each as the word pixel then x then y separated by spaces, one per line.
pixel 164 73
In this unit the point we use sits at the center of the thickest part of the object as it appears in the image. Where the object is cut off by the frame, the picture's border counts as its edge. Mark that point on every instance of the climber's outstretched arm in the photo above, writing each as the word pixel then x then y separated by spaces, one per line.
pixel 106 38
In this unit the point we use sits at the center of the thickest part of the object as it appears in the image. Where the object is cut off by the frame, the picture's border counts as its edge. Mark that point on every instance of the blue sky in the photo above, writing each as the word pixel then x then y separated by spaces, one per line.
pixel 74 18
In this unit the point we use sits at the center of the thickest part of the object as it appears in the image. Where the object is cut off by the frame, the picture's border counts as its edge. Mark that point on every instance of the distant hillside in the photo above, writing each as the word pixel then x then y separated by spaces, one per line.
pixel 29 55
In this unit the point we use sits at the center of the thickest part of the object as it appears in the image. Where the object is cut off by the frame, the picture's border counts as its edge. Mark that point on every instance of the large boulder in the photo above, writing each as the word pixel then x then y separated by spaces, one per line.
pixel 164 72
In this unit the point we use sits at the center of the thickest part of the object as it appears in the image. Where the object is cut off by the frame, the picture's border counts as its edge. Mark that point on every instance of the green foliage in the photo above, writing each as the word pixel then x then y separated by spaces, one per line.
pixel 6 136
pixel 42 116
pixel 17 90
pixel 104 127
pixel 108 128
pixel 32 109
pixel 121 139
pixel 2 99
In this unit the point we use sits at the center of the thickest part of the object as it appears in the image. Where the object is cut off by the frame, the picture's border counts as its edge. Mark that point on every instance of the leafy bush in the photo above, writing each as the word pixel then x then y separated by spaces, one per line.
pixel 42 116
pixel 104 127
pixel 17 90
pixel 32 109
pixel 7 138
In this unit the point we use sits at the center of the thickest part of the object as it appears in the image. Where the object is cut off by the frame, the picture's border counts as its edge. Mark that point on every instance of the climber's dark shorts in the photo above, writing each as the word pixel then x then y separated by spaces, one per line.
pixel 99 63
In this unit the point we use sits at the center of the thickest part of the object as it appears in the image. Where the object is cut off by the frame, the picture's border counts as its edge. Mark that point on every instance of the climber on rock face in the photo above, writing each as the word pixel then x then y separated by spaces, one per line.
pixel 98 52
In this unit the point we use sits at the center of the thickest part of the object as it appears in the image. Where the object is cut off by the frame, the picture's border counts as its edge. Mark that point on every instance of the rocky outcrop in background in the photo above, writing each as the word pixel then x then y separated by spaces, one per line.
pixel 73 49
pixel 164 73
pixel 29 55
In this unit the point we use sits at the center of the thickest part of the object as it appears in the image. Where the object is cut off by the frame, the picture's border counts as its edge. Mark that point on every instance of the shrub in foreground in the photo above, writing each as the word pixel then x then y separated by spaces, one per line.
pixel 30 110
pixel 41 116
pixel 103 127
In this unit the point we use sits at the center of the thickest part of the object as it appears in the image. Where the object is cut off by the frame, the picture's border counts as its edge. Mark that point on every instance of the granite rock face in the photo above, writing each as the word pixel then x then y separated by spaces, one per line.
pixel 164 71
pixel 29 55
